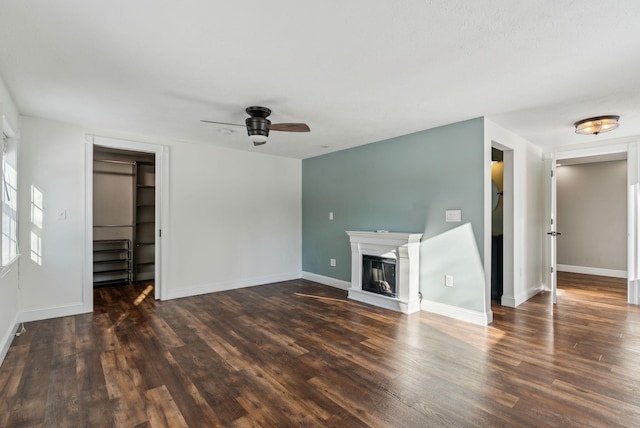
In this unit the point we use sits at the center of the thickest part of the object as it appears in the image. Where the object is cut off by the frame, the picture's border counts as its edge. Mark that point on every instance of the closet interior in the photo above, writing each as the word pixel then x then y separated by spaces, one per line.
pixel 123 216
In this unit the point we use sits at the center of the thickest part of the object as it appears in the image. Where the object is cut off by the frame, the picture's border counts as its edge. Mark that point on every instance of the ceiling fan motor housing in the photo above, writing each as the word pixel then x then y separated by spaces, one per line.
pixel 258 124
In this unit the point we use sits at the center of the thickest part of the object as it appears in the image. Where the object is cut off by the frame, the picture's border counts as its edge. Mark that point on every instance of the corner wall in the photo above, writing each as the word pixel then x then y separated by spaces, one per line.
pixel 9 288
pixel 404 184
pixel 523 214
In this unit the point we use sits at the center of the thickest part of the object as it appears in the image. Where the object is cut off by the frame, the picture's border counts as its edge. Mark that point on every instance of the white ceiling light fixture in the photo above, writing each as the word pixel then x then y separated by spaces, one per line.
pixel 258 139
pixel 597 125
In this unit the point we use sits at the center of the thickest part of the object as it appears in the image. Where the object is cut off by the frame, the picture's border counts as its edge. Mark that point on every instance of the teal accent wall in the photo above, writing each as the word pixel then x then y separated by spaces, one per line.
pixel 403 184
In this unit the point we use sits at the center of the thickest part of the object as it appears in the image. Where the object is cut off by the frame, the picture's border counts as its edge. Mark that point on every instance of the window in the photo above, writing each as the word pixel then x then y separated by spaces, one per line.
pixel 9 183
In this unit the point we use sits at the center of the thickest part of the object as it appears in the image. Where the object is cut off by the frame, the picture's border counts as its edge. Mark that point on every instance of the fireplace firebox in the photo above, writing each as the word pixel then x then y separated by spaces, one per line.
pixel 379 275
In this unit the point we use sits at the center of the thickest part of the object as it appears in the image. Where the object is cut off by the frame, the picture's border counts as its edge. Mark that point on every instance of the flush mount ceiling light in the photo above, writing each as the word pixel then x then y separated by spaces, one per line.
pixel 596 125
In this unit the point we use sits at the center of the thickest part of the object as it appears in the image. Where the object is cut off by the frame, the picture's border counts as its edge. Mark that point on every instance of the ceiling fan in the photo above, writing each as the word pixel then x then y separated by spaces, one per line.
pixel 258 126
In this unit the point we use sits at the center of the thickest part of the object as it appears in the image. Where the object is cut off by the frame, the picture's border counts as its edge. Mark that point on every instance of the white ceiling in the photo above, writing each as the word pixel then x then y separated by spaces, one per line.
pixel 355 71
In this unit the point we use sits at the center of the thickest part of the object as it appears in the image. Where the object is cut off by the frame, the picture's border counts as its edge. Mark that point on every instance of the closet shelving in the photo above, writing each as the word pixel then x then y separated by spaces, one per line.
pixel 112 262
pixel 124 221
pixel 144 253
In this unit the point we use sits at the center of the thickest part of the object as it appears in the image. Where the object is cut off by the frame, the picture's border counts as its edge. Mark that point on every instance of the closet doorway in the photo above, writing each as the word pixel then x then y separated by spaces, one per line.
pixel 123 217
pixel 123 206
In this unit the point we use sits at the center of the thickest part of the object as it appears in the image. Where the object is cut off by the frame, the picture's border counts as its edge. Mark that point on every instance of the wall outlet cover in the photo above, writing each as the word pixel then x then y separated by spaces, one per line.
pixel 453 215
pixel 448 280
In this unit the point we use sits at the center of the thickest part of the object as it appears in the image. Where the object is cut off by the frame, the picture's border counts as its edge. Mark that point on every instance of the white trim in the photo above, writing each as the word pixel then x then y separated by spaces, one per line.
pixel 514 302
pixel 386 302
pixel 7 338
pixel 162 211
pixel 87 266
pixel 620 145
pixel 49 312
pixel 325 280
pixel 596 149
pixel 615 273
pixel 633 214
pixel 455 312
pixel 230 285
pixel 514 233
pixel 634 292
pixel 4 270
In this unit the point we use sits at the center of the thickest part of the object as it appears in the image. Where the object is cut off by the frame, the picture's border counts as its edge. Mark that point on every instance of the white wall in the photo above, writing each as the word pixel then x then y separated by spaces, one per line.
pixel 9 299
pixel 234 218
pixel 523 198
pixel 52 161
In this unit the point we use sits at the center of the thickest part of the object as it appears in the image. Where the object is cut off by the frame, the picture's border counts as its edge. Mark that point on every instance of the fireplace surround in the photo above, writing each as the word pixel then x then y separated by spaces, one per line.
pixel 404 248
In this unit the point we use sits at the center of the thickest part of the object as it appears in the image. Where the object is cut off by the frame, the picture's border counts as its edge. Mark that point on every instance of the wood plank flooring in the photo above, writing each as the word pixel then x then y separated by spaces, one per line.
pixel 299 354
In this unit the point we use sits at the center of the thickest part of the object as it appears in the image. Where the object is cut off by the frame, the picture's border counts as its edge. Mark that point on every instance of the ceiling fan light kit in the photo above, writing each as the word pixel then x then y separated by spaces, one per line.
pixel 597 125
pixel 258 126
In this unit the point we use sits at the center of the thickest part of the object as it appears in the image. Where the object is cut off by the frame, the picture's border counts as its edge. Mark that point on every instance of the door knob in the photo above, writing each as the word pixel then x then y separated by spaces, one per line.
pixel 554 233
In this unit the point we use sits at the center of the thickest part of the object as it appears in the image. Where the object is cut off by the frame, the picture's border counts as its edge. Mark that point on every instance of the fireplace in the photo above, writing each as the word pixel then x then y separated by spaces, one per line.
pixel 385 269
pixel 379 275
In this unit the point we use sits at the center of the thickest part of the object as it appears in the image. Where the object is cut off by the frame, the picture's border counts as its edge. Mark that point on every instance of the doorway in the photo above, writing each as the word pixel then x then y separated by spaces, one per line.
pixel 628 150
pixel 123 217
pixel 503 260
pixel 591 205
pixel 124 190
pixel 497 221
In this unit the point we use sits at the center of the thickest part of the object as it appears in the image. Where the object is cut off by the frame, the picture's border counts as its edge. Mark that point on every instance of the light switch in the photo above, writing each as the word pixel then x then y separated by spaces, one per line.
pixel 453 215
pixel 331 215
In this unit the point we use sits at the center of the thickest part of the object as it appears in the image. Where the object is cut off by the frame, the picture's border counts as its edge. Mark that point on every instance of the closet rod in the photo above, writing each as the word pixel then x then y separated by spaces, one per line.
pixel 113 225
pixel 114 173
pixel 115 161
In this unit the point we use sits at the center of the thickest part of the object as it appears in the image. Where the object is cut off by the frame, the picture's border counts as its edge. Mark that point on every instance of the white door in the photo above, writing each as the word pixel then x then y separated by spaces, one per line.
pixel 550 222
pixel 633 224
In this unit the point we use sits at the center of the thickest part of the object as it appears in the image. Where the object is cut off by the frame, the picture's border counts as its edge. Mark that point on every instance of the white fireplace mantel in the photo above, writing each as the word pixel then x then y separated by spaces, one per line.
pixel 405 248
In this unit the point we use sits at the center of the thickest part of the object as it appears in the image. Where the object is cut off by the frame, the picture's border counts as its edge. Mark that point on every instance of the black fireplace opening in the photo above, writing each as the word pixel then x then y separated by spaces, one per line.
pixel 379 275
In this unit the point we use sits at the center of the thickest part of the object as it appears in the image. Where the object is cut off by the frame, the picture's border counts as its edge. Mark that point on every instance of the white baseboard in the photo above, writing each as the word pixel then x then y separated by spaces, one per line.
pixel 633 291
pixel 7 338
pixel 332 282
pixel 455 312
pixel 49 312
pixel 230 285
pixel 514 302
pixel 593 271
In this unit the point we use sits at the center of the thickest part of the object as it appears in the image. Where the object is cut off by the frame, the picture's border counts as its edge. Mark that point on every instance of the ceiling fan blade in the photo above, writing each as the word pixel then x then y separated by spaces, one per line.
pixel 259 143
pixel 289 127
pixel 221 123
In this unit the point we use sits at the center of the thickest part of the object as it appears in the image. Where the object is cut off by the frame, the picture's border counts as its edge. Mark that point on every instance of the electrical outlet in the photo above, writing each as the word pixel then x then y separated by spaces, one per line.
pixel 332 262
pixel 448 280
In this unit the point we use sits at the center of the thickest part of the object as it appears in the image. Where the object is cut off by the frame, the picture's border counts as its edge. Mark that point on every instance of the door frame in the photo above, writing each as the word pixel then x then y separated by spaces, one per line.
pixel 161 212
pixel 550 221
pixel 630 146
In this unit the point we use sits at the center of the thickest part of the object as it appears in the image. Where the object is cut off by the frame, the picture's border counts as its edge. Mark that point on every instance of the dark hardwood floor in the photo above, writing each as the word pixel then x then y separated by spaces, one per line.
pixel 299 354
